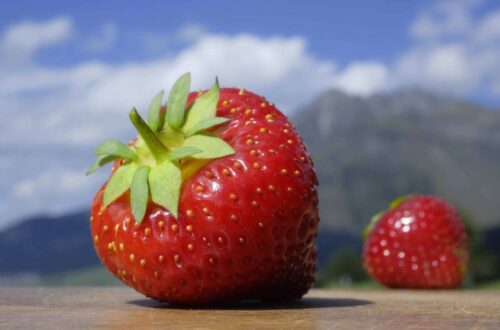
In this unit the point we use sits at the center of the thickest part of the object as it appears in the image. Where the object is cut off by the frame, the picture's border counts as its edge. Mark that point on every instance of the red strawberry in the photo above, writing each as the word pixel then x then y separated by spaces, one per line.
pixel 420 242
pixel 209 209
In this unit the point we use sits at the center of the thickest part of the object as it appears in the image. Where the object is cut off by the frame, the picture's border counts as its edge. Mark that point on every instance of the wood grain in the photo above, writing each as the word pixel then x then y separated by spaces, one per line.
pixel 122 308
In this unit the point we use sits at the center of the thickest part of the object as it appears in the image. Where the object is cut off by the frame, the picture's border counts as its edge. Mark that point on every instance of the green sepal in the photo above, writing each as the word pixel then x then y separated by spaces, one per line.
pixel 211 146
pixel 152 165
pixel 204 107
pixel 182 152
pixel 115 148
pixel 156 117
pixel 373 222
pixel 206 124
pixel 139 193
pixel 177 101
pixel 398 201
pixel 119 183
pixel 395 203
pixel 101 161
pixel 158 150
pixel 165 185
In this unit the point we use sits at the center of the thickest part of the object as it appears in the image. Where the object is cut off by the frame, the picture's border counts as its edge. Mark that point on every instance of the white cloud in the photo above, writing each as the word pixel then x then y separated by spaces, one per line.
pixel 363 78
pixel 280 68
pixel 54 190
pixel 53 117
pixel 59 182
pixel 158 41
pixel 152 42
pixel 442 67
pixel 446 18
pixel 455 51
pixel 104 39
pixel 20 41
pixel 489 28
pixel 74 108
pixel 191 32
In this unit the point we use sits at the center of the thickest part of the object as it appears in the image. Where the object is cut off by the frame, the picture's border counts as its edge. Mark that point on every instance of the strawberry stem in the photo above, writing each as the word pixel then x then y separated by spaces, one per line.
pixel 158 150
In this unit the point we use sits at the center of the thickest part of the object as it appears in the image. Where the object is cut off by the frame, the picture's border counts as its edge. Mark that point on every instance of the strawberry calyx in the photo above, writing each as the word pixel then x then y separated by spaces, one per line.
pixel 170 147
pixel 373 221
pixel 400 200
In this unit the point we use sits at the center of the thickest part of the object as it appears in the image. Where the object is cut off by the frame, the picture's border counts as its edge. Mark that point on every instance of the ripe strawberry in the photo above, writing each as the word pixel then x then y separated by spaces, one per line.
pixel 203 209
pixel 420 242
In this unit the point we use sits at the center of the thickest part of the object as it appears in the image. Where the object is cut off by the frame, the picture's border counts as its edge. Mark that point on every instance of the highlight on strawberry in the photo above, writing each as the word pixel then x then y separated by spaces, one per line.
pixel 420 242
pixel 215 200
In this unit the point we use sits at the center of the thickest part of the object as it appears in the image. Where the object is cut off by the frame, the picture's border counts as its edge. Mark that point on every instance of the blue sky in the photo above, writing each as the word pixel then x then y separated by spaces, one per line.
pixel 70 71
pixel 346 30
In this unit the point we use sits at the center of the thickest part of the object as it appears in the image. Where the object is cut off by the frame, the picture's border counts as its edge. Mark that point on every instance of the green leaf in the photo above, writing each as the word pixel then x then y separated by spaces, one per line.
pixel 158 150
pixel 177 101
pixel 101 161
pixel 204 107
pixel 165 185
pixel 115 148
pixel 372 224
pixel 206 124
pixel 395 203
pixel 139 193
pixel 211 146
pixel 182 152
pixel 155 116
pixel 119 183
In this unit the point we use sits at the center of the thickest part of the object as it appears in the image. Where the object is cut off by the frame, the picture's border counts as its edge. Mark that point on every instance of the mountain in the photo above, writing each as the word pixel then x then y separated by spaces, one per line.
pixel 367 151
pixel 45 245
pixel 329 242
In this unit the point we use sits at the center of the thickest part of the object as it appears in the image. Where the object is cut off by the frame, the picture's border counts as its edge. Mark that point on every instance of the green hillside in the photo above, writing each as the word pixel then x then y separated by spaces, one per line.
pixel 367 151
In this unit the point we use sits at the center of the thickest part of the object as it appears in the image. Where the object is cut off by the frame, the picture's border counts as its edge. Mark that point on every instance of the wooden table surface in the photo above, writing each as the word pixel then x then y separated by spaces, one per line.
pixel 123 308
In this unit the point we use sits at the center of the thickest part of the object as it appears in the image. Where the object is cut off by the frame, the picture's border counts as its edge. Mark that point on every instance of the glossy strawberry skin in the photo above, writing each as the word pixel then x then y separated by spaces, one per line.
pixel 421 243
pixel 247 222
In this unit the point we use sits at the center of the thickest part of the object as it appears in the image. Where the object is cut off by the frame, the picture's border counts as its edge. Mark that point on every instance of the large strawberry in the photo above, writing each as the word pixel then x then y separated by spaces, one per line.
pixel 215 200
pixel 420 242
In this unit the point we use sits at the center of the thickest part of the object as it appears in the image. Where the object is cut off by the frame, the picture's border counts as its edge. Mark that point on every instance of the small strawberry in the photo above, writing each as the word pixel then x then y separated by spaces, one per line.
pixel 420 242
pixel 215 200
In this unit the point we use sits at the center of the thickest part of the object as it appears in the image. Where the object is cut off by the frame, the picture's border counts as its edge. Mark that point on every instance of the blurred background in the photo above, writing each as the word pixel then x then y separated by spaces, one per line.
pixel 392 97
